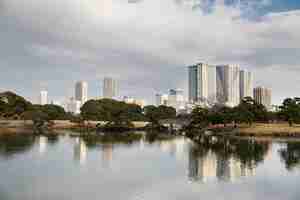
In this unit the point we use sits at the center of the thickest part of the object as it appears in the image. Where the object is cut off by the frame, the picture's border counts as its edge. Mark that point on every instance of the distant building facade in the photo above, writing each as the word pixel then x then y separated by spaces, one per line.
pixel 81 91
pixel 246 84
pixel 139 102
pixel 43 100
pixel 73 106
pixel 202 83
pixel 228 85
pixel 263 96
pixel 176 99
pixel 161 99
pixel 110 88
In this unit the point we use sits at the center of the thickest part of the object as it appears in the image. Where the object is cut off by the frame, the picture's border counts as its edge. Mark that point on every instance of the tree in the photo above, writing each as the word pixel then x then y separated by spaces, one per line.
pixel 290 110
pixel 54 112
pixel 154 113
pixel 12 105
pixel 91 110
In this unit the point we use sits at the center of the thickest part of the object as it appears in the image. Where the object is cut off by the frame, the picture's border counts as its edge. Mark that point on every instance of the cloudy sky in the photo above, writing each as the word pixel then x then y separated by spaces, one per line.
pixel 145 44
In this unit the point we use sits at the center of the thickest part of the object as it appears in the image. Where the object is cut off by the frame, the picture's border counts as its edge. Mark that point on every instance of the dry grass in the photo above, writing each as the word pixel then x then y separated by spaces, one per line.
pixel 14 131
pixel 261 129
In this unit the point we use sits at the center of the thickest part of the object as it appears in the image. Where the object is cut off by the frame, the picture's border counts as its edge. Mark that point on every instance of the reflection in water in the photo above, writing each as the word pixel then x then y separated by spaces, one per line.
pixel 11 145
pixel 80 151
pixel 290 155
pixel 225 159
pixel 42 140
pixel 107 155
pixel 176 147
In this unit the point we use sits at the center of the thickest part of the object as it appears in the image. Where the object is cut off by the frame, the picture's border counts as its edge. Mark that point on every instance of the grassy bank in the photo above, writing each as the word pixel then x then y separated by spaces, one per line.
pixel 267 130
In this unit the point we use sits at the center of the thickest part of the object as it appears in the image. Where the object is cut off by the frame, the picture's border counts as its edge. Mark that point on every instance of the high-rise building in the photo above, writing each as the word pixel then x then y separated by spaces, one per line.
pixel 139 102
pixel 198 82
pixel 161 99
pixel 176 99
pixel 263 96
pixel 81 91
pixel 228 85
pixel 110 88
pixel 43 97
pixel 212 84
pixel 73 106
pixel 202 83
pixel 246 84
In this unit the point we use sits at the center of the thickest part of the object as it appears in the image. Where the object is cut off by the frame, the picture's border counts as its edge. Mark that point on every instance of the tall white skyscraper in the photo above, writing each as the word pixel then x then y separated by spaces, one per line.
pixel 246 84
pixel 81 91
pixel 161 99
pixel 110 88
pixel 202 83
pixel 263 96
pixel 43 97
pixel 176 99
pixel 228 85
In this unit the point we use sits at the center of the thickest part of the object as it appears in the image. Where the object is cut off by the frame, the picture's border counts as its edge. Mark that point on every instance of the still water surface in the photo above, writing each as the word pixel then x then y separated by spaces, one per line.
pixel 40 168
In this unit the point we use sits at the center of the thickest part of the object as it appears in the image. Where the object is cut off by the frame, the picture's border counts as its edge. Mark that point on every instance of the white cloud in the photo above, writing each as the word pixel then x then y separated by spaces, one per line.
pixel 152 38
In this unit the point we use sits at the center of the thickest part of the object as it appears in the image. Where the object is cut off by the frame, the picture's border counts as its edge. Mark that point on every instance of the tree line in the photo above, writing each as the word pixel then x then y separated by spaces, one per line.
pixel 248 111
pixel 15 107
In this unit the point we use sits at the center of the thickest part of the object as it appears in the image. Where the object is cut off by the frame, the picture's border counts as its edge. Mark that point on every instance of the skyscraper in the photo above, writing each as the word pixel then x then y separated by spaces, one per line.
pixel 110 88
pixel 81 91
pixel 161 99
pixel 246 84
pixel 228 85
pixel 263 96
pixel 202 83
pixel 43 97
pixel 198 82
pixel 176 99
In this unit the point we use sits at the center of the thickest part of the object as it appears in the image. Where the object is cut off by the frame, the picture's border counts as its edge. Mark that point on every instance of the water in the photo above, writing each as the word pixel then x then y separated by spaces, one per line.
pixel 40 168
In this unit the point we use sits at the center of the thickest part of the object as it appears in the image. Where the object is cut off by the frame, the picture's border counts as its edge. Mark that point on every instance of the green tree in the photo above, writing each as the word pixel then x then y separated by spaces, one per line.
pixel 54 112
pixel 91 110
pixel 12 105
pixel 290 110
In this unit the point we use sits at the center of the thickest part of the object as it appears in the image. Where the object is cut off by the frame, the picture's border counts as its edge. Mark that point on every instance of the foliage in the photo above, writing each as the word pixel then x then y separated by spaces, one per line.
pixel 12 105
pixel 110 110
pixel 153 114
pixel 290 110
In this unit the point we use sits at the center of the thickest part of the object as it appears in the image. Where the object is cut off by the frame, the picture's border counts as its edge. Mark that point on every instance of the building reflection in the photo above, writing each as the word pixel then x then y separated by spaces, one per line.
pixel 225 159
pixel 80 151
pixel 107 155
pixel 42 140
pixel 176 147
pixel 290 155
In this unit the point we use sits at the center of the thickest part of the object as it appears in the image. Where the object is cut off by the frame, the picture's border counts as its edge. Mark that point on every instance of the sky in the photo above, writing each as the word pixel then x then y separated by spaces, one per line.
pixel 145 44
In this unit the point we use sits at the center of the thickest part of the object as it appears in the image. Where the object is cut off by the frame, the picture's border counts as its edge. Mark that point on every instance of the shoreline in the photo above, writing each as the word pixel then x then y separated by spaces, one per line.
pixel 13 127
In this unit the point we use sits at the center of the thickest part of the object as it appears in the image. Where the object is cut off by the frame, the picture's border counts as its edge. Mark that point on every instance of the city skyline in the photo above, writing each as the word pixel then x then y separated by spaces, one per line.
pixel 145 60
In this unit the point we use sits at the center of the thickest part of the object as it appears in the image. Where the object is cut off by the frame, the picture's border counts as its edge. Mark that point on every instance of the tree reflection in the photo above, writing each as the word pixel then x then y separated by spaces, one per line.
pixel 290 155
pixel 224 158
pixel 11 145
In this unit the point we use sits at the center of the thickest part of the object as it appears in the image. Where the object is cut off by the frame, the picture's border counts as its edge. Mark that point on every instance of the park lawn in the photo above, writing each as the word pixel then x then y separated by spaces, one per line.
pixel 269 129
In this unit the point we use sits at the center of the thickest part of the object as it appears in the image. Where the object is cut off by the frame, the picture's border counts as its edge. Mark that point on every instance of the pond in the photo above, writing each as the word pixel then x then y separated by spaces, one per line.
pixel 62 168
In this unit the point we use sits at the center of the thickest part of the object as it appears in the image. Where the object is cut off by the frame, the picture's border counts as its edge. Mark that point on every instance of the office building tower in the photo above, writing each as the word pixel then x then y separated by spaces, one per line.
pixel 228 81
pixel 246 84
pixel 198 83
pixel 43 97
pixel 110 88
pixel 139 102
pixel 81 91
pixel 73 106
pixel 202 83
pixel 176 99
pixel 212 85
pixel 263 96
pixel 161 99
